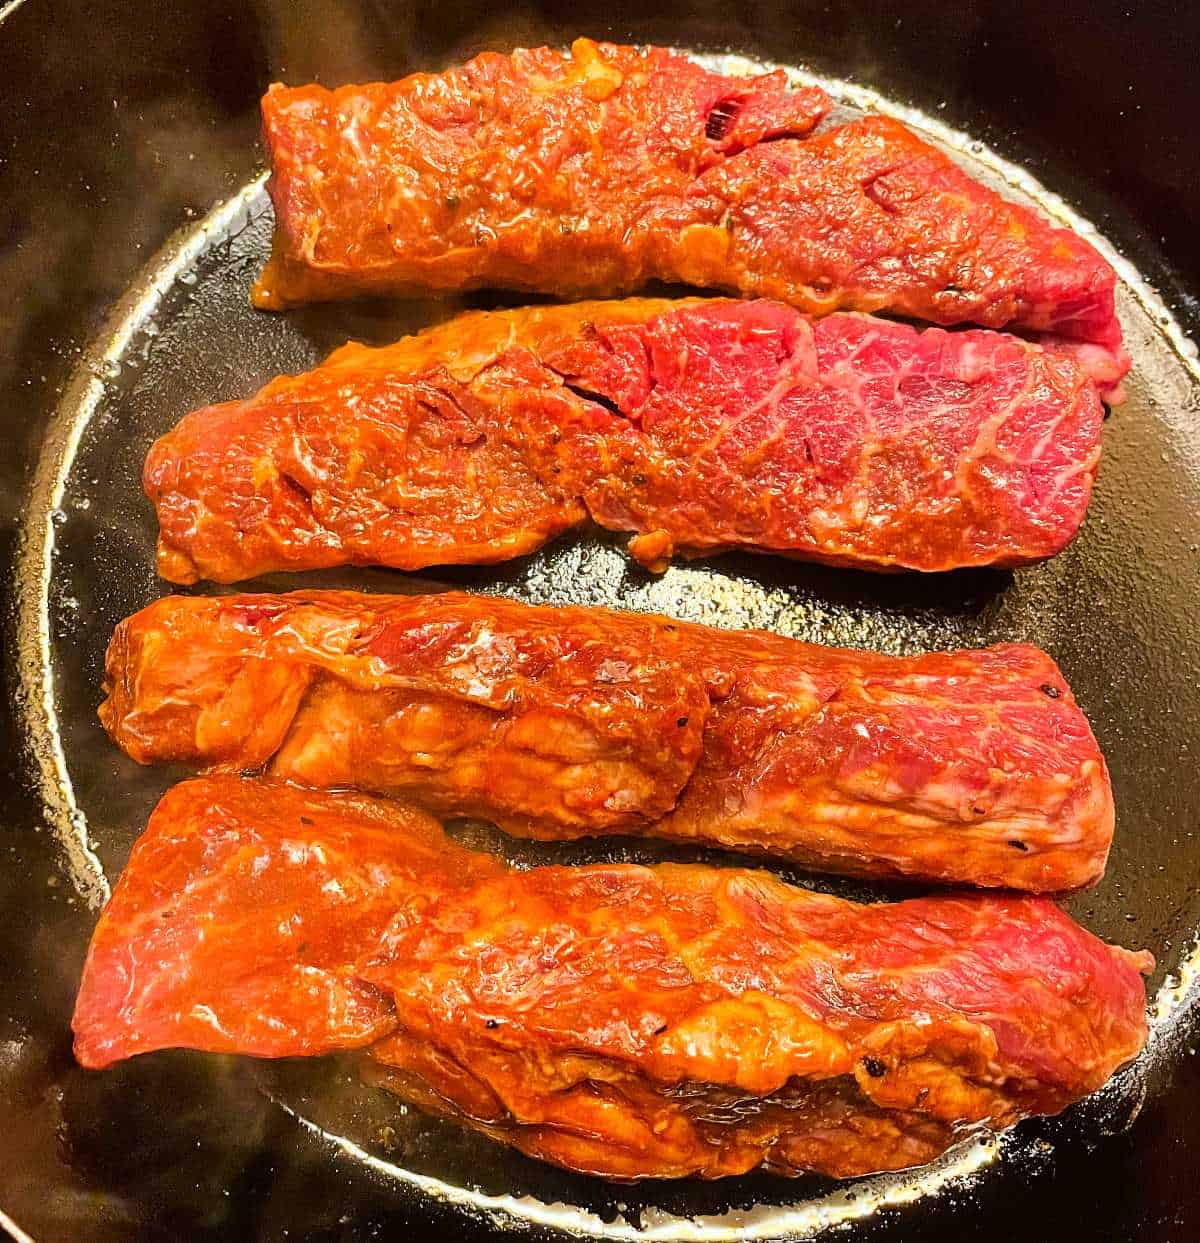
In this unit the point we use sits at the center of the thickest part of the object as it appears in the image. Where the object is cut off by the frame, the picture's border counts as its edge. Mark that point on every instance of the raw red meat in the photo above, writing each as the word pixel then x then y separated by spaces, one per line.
pixel 626 1021
pixel 700 425
pixel 972 767
pixel 592 172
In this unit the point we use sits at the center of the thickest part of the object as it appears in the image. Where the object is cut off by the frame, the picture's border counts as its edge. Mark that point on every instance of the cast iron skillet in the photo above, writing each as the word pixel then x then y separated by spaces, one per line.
pixel 124 122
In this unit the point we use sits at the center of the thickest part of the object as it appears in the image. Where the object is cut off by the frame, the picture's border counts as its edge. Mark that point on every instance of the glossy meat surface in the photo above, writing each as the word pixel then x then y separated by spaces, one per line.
pixel 591 172
pixel 974 767
pixel 254 898
pixel 620 1020
pixel 698 425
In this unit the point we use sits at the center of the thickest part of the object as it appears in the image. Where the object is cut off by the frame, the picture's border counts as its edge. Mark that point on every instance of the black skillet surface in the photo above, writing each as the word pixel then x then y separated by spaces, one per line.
pixel 122 123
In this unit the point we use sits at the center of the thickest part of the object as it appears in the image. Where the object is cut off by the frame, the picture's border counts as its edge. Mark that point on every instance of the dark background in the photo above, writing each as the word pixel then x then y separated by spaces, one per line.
pixel 121 122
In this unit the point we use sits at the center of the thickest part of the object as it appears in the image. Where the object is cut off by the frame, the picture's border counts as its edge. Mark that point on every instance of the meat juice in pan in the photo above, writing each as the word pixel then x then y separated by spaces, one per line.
pixel 102 573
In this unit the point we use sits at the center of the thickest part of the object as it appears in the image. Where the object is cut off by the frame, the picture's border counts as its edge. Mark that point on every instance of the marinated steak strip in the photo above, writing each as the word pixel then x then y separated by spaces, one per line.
pixel 969 767
pixel 627 1021
pixel 700 426
pixel 590 173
